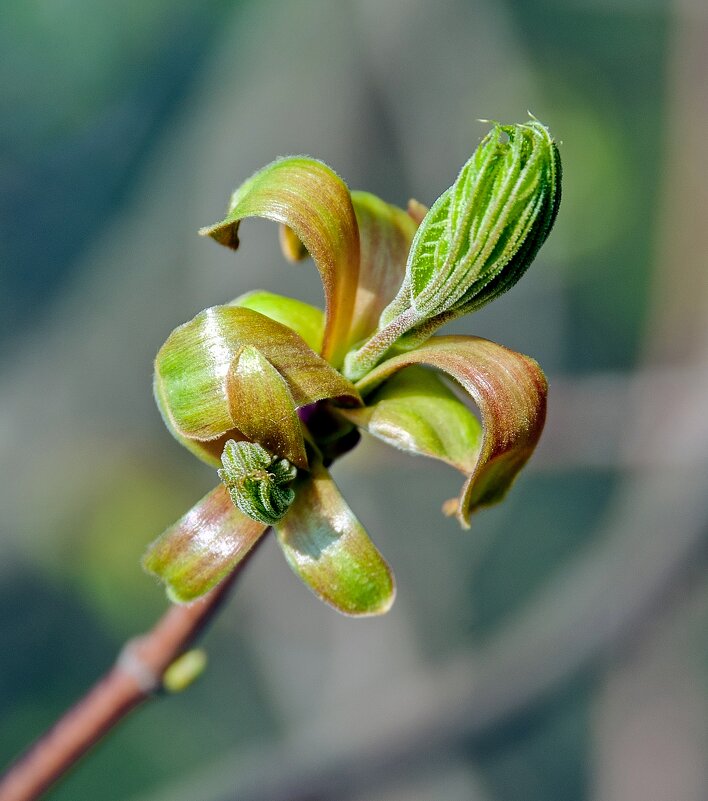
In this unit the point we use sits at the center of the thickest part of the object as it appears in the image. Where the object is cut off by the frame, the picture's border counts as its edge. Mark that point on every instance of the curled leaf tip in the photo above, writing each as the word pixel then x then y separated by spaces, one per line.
pixel 257 481
pixel 509 390
pixel 315 205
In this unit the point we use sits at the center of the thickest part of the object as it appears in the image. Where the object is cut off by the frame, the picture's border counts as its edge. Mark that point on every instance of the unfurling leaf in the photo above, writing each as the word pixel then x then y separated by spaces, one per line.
pixel 476 241
pixel 257 481
pixel 309 198
pixel 330 551
pixel 510 392
pixel 202 547
pixel 415 411
pixel 197 387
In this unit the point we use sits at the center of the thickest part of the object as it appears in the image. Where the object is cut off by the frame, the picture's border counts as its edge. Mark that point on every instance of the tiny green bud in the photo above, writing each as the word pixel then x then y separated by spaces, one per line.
pixel 185 670
pixel 256 481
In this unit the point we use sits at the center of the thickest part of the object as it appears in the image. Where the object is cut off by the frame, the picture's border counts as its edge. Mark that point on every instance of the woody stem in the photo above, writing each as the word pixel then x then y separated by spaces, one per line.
pixel 135 677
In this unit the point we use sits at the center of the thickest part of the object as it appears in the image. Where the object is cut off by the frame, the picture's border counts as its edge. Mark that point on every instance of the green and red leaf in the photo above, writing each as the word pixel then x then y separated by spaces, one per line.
pixel 196 370
pixel 330 551
pixel 315 204
pixel 510 391
pixel 202 547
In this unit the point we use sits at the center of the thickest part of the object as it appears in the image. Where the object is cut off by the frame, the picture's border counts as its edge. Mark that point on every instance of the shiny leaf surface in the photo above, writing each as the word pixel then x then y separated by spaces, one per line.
pixel 416 412
pixel 193 370
pixel 510 392
pixel 330 551
pixel 262 407
pixel 304 319
pixel 202 547
pixel 309 198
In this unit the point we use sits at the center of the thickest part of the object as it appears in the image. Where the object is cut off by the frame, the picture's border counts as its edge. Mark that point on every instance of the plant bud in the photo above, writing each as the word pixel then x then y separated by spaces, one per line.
pixel 256 481
pixel 480 236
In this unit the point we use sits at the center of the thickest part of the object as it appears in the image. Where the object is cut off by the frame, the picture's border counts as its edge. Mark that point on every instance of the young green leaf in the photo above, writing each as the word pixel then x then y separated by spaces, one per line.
pixel 308 197
pixel 330 551
pixel 482 234
pixel 476 241
pixel 202 547
pixel 510 391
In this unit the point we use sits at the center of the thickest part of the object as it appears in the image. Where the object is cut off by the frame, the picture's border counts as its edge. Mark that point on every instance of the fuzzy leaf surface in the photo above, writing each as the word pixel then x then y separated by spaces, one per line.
pixel 510 391
pixel 482 233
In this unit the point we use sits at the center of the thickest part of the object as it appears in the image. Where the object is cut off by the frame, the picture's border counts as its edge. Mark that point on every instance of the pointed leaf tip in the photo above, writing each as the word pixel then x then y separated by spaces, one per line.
pixel 328 548
pixel 314 203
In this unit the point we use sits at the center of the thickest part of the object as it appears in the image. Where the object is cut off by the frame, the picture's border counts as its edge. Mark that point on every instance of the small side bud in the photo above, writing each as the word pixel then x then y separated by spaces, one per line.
pixel 257 481
pixel 185 670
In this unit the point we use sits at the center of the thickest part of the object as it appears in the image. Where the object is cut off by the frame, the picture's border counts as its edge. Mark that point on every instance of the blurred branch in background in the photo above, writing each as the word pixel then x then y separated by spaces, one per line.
pixel 582 617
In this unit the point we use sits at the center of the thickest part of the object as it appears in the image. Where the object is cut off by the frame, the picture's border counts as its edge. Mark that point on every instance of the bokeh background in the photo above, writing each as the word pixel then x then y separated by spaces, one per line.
pixel 558 650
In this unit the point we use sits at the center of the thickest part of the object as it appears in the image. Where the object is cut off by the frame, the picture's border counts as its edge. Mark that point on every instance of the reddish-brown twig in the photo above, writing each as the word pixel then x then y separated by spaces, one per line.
pixel 133 679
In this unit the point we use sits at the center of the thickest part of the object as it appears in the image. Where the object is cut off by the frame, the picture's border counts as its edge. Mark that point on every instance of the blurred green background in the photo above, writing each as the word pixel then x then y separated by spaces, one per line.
pixel 559 650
